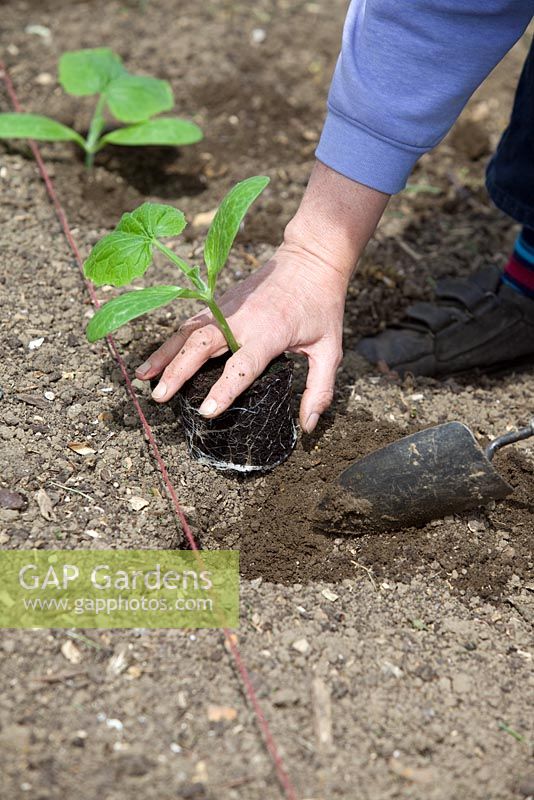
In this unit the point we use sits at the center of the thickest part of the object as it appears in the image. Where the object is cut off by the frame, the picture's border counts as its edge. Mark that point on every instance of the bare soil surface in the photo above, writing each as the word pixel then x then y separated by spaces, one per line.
pixel 417 644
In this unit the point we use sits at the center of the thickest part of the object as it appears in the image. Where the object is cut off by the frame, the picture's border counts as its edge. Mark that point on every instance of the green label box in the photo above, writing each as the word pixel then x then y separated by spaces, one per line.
pixel 119 589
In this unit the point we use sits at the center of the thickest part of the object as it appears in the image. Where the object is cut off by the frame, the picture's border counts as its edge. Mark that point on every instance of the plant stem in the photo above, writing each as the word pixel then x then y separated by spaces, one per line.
pixel 204 294
pixel 223 325
pixel 95 129
pixel 183 265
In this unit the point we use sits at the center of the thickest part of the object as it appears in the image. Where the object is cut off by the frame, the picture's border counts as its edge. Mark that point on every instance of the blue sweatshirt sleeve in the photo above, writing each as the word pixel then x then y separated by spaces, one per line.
pixel 405 72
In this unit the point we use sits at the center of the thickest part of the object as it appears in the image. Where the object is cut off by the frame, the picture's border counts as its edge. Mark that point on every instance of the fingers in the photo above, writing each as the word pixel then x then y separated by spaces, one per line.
pixel 202 344
pixel 159 359
pixel 319 392
pixel 240 372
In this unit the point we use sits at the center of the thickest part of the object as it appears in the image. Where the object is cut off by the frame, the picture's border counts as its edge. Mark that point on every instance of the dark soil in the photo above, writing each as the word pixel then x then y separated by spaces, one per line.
pixel 255 434
pixel 284 540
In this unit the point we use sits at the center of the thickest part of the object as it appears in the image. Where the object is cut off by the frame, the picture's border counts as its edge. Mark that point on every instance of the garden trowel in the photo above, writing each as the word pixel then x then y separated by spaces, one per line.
pixel 424 476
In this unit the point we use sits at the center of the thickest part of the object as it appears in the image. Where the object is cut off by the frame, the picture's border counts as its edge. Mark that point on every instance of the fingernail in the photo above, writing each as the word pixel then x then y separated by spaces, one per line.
pixel 143 368
pixel 208 407
pixel 160 391
pixel 311 422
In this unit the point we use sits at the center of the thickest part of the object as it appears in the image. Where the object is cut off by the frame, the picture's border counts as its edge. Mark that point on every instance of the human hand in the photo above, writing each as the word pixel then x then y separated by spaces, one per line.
pixel 293 303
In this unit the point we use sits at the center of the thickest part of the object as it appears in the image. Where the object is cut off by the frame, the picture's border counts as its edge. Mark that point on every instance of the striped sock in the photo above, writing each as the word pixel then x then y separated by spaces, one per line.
pixel 519 272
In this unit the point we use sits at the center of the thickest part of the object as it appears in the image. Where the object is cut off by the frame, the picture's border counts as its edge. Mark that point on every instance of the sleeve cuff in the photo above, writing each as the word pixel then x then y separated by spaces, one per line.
pixel 364 156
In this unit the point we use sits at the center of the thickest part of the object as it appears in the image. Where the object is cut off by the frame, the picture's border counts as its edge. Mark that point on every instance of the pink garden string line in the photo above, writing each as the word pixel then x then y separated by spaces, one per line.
pixel 283 777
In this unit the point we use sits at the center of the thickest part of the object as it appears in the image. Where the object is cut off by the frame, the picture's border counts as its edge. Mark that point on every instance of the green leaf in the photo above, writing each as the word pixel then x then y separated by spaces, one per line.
pixel 118 258
pixel 126 253
pixel 84 72
pixel 133 98
pixel 163 131
pixel 131 305
pixel 34 126
pixel 156 220
pixel 225 225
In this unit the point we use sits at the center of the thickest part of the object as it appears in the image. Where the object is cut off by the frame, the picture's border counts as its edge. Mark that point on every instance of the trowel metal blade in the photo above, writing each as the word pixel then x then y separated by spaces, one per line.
pixel 424 476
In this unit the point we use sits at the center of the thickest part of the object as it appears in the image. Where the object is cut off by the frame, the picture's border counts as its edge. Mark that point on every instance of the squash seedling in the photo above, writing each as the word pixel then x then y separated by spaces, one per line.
pixel 127 252
pixel 132 99
pixel 257 432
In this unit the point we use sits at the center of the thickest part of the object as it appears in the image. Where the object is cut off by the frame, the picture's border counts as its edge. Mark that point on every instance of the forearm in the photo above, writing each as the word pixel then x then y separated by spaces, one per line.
pixel 335 220
pixel 404 74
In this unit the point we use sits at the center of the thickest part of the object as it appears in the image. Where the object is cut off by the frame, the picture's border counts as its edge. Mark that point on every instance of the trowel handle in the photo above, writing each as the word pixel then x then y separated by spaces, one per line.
pixel 509 438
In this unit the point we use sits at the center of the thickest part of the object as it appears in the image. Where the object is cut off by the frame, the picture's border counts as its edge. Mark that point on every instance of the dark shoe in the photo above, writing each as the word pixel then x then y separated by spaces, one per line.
pixel 475 322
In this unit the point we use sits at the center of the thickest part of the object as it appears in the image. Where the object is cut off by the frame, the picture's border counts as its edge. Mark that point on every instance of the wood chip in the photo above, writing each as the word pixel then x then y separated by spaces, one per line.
pixel 221 713
pixel 322 714
pixel 413 774
pixel 32 400
pixel 118 662
pixel 82 448
pixel 45 504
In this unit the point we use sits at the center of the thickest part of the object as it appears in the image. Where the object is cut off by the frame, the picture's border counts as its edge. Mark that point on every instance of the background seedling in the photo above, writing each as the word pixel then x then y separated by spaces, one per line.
pixel 133 99
pixel 127 252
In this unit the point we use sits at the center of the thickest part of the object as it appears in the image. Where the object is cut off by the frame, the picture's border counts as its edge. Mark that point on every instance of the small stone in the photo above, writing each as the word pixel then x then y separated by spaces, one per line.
pixel 49 395
pixel 284 697
pixel 134 672
pixel 462 683
pixel 326 593
pixel 302 646
pixel 258 36
pixel 124 335
pixel 44 79
pixel 476 525
pixel 15 739
pixel 74 411
pixel 204 218
pixel 93 534
pixel 39 30
pixel 391 670
pixel 4 538
pixel 34 344
pixel 462 627
pixel 71 652
pixel 526 787
pixel 138 503
pixel 12 500
pixel 135 764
